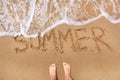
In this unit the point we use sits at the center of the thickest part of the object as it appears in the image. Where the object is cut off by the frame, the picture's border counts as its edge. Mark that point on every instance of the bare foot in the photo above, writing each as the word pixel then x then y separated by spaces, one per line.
pixel 52 71
pixel 66 68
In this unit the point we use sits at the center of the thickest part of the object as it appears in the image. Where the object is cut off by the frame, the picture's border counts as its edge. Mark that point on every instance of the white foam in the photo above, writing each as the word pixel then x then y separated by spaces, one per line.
pixel 65 16
pixel 31 13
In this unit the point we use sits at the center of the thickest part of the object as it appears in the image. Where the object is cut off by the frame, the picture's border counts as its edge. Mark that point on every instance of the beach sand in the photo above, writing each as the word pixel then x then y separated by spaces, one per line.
pixel 92 50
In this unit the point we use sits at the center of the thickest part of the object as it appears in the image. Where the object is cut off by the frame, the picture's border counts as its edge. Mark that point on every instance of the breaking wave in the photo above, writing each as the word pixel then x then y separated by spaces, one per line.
pixel 30 17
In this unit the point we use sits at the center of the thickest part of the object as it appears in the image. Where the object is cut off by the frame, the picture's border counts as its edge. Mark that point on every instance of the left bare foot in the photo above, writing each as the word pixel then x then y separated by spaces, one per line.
pixel 52 71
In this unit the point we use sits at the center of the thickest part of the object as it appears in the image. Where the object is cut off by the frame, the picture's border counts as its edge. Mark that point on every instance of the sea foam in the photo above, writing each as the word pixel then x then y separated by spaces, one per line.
pixel 30 17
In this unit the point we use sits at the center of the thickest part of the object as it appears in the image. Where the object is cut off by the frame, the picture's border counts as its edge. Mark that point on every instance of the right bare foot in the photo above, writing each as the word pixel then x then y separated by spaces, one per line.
pixel 66 68
pixel 52 71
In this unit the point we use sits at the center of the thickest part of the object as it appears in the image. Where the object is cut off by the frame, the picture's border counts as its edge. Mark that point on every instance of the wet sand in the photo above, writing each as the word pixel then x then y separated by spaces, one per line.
pixel 92 50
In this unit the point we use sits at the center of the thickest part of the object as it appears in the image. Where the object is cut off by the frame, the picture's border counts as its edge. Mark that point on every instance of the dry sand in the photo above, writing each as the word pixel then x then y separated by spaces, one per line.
pixel 92 50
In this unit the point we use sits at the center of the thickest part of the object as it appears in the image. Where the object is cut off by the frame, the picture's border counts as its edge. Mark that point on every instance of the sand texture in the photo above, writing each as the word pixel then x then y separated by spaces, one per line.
pixel 92 50
pixel 37 33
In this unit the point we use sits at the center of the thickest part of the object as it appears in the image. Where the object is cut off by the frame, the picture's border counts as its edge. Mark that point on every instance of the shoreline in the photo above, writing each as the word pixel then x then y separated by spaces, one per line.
pixel 88 62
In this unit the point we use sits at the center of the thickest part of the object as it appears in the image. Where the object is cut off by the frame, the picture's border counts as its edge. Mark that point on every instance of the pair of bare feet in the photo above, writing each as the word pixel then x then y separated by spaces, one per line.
pixel 53 74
